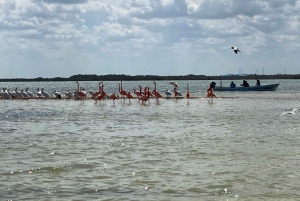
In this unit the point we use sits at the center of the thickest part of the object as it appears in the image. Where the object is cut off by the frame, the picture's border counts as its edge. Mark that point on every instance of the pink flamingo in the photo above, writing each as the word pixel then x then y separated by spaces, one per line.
pixel 210 93
pixel 175 91
pixel 103 93
pixel 138 93
pixel 80 93
pixel 97 92
pixel 187 92
pixel 149 92
pixel 129 96
pixel 100 97
pixel 156 94
pixel 113 96
pixel 145 98
pixel 121 91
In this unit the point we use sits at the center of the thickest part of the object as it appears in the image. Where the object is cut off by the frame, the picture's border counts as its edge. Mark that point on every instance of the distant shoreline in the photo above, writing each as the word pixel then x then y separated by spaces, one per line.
pixel 113 77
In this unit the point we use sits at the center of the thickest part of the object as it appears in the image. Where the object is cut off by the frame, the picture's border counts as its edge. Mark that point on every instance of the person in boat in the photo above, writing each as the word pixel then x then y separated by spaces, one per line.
pixel 232 84
pixel 245 83
pixel 257 83
pixel 209 91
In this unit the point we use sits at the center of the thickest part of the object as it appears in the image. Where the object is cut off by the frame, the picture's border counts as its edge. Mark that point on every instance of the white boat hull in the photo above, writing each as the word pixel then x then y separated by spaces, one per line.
pixel 267 87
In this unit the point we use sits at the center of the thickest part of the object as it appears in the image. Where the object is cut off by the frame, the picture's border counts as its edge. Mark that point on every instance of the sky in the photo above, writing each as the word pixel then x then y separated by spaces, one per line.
pixel 61 38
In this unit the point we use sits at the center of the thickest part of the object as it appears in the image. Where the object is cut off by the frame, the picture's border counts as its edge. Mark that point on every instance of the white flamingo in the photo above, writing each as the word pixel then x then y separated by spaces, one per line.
pixel 91 92
pixel 168 93
pixel 29 92
pixel 24 94
pixel 45 94
pixel 82 90
pixel 68 94
pixel 2 92
pixel 57 94
pixel 39 93
pixel 18 93
pixel 75 94
pixel 5 94
pixel 11 93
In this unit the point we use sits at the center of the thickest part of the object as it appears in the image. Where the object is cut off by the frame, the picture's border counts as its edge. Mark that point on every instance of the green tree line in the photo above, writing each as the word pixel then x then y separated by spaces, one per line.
pixel 114 77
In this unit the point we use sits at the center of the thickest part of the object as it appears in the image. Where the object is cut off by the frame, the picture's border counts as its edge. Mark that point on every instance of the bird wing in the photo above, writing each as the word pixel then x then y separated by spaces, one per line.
pixel 173 83
pixel 293 110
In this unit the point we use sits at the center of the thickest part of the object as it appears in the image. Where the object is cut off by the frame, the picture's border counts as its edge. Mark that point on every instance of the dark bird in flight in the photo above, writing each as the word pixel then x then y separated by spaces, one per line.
pixel 235 49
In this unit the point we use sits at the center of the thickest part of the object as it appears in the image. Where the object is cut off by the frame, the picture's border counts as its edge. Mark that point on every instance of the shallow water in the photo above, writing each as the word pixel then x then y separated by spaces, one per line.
pixel 239 147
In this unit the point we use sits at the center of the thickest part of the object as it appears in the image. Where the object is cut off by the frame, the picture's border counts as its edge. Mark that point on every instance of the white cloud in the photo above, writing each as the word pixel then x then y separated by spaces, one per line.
pixel 166 2
pixel 127 34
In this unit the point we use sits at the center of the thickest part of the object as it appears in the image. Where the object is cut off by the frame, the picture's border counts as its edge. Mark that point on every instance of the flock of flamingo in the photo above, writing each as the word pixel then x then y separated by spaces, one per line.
pixel 142 95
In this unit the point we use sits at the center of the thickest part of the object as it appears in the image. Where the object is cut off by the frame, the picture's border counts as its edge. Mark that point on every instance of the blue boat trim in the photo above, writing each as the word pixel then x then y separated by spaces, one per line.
pixel 267 87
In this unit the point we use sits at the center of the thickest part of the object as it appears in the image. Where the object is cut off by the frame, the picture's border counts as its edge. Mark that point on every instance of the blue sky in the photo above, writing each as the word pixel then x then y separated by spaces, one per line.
pixel 60 38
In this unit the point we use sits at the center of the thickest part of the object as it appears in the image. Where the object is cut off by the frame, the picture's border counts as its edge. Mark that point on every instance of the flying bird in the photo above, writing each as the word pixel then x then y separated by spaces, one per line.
pixel 291 111
pixel 173 83
pixel 235 49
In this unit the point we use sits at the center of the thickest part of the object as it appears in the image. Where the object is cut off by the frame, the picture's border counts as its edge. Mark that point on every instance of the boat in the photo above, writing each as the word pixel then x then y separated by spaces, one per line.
pixel 266 87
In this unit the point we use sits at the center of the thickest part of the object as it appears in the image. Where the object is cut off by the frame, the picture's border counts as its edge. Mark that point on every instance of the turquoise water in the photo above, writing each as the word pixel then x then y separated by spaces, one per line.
pixel 240 147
